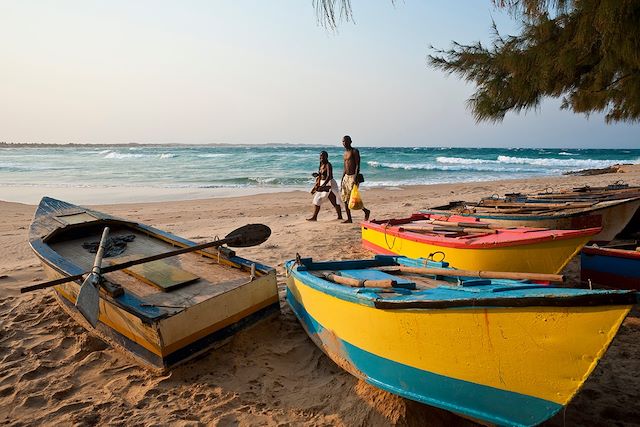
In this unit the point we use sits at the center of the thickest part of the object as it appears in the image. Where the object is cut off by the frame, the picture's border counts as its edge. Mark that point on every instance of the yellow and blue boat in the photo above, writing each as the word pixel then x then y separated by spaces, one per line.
pixel 501 351
pixel 161 313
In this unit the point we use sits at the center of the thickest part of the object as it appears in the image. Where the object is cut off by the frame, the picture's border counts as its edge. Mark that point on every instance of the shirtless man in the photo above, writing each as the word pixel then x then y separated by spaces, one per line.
pixel 351 170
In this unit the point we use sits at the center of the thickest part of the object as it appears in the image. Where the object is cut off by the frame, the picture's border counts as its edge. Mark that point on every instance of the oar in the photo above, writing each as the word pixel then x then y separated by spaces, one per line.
pixel 243 237
pixel 88 301
pixel 429 228
pixel 554 278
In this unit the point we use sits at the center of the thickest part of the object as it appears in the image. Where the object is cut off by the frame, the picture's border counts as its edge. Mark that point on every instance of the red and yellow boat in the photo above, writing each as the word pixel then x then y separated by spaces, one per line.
pixel 471 244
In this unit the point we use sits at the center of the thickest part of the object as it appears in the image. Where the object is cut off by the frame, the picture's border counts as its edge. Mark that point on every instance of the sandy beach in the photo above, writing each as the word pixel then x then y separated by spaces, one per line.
pixel 52 371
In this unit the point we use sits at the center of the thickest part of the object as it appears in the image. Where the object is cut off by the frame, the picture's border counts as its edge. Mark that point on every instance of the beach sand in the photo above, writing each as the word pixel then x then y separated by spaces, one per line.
pixel 52 371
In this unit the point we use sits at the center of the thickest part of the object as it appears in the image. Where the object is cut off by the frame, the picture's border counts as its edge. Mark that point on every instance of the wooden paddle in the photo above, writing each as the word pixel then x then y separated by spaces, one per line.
pixel 88 301
pixel 553 278
pixel 245 236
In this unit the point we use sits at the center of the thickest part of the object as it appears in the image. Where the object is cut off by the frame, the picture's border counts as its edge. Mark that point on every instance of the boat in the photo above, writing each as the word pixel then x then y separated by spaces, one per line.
pixel 612 215
pixel 160 313
pixel 499 351
pixel 615 191
pixel 469 243
pixel 614 266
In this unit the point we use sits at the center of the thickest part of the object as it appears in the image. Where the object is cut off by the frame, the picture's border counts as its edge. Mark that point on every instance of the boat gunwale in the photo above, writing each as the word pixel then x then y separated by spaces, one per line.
pixel 589 298
pixel 612 252
pixel 65 267
pixel 454 242
pixel 538 217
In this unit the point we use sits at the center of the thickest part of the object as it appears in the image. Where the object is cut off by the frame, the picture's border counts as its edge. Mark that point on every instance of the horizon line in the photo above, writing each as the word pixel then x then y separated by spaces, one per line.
pixel 266 144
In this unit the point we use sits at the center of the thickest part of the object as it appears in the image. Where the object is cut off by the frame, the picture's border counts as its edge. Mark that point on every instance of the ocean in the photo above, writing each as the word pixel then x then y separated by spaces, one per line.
pixel 280 167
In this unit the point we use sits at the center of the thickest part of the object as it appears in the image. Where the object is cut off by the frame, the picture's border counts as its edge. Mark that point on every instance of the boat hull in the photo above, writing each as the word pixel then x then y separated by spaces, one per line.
pixel 165 343
pixel 619 269
pixel 613 219
pixel 503 365
pixel 549 256
pixel 158 327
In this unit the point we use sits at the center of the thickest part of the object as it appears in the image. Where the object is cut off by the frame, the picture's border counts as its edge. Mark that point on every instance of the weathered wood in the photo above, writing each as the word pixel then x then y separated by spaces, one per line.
pixel 88 301
pixel 356 283
pixel 541 205
pixel 160 274
pixel 484 225
pixel 552 278
pixel 248 235
pixel 427 228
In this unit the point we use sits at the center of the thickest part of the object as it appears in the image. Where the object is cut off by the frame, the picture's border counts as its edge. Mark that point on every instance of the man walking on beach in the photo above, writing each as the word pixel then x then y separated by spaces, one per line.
pixel 351 170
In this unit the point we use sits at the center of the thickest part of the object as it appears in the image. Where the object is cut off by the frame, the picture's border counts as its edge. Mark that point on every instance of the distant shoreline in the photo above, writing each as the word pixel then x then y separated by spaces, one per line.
pixel 151 145
pixel 4 144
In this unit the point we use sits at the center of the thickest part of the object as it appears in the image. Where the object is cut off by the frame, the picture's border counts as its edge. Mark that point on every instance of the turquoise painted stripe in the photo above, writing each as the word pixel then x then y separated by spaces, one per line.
pixel 474 400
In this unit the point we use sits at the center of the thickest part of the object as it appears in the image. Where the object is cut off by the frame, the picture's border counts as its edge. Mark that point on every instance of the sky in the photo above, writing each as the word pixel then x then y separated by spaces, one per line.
pixel 255 71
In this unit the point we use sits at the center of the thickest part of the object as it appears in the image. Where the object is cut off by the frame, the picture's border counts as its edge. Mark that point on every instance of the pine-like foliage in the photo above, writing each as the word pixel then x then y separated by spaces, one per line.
pixel 587 53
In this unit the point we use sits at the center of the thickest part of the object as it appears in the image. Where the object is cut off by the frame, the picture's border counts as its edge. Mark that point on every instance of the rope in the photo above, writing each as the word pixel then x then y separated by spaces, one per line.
pixel 430 257
pixel 385 237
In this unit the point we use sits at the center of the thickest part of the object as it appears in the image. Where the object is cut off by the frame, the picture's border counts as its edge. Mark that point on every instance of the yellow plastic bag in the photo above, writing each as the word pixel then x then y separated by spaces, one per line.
pixel 355 200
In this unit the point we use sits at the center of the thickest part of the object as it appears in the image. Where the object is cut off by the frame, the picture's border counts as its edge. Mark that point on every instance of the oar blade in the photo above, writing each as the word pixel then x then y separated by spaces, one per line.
pixel 248 235
pixel 88 301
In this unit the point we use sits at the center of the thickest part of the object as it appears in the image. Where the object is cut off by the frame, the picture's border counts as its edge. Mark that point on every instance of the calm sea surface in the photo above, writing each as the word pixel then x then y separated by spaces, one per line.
pixel 281 166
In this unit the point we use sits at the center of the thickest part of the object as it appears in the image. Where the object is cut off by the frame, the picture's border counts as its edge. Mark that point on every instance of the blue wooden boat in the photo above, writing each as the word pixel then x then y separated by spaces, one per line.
pixel 160 313
pixel 614 266
pixel 501 351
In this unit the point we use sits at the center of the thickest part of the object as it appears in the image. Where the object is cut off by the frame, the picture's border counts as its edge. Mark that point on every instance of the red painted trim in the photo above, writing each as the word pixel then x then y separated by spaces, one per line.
pixel 377 249
pixel 617 253
pixel 504 237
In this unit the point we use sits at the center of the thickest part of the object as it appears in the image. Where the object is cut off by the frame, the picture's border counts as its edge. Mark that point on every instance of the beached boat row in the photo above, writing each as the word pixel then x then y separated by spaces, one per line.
pixel 490 339
pixel 526 233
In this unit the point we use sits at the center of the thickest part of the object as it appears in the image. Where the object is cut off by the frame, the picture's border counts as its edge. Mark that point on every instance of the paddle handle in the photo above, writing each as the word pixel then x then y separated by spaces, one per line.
pixel 127 264
pixel 552 278
pixel 348 281
pixel 97 262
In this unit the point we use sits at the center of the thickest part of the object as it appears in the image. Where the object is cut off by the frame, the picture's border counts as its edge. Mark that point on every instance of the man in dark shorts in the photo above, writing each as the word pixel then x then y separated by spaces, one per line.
pixel 351 170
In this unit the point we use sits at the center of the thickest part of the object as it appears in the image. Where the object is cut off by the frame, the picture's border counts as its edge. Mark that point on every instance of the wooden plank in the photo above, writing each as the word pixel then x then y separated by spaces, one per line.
pixel 76 218
pixel 159 273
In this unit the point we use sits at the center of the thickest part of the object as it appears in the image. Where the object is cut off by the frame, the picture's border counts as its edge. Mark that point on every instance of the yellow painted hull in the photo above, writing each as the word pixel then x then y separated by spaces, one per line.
pixel 493 358
pixel 544 257
pixel 152 343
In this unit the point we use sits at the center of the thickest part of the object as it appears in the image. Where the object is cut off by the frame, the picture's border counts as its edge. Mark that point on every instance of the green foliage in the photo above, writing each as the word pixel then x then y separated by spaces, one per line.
pixel 588 54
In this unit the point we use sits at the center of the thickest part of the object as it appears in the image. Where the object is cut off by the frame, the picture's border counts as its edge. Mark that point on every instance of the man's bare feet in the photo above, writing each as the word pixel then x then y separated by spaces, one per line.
pixel 312 219
pixel 347 221
pixel 367 212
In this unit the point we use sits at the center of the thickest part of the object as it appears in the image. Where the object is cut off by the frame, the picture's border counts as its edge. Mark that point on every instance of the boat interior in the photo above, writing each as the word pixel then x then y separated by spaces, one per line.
pixel 174 283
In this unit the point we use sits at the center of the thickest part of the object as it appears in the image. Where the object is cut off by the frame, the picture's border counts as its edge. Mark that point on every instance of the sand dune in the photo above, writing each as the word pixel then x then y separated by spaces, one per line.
pixel 53 371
